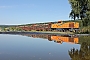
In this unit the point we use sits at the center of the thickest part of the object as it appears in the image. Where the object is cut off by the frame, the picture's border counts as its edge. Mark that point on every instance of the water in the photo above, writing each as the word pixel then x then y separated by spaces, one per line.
pixel 44 47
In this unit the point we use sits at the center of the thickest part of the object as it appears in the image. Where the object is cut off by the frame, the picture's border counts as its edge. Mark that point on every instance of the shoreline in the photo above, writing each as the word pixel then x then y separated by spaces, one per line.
pixel 44 32
pixel 36 32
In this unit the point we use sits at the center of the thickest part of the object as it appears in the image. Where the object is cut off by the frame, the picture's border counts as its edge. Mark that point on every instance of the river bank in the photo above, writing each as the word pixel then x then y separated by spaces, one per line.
pixel 43 32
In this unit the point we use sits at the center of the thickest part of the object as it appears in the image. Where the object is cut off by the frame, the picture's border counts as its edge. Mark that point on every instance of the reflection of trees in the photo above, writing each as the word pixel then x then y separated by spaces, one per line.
pixel 82 54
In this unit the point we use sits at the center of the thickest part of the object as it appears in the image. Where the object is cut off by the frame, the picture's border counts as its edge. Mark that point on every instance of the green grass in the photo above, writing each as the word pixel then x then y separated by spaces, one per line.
pixel 52 32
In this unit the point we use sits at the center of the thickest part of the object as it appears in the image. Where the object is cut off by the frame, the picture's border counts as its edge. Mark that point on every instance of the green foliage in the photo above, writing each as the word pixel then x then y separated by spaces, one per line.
pixel 12 29
pixel 80 9
pixel 85 22
pixel 84 30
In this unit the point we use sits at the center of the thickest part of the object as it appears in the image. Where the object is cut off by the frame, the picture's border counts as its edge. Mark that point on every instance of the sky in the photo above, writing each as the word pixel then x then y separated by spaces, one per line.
pixel 33 11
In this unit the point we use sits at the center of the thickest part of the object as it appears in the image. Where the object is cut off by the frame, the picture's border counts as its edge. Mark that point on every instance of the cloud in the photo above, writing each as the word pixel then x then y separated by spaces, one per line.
pixel 23 5
pixel 5 6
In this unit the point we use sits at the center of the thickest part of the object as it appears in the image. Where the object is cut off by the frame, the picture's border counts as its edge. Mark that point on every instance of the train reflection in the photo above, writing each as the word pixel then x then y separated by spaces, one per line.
pixel 61 39
pixel 56 38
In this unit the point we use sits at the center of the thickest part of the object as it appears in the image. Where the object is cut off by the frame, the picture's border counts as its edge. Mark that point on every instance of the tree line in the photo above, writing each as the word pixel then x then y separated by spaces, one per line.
pixel 80 9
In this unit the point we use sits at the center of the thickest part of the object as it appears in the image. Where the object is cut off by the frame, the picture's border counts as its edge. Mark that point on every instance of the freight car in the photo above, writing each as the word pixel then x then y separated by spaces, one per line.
pixel 53 26
pixel 37 27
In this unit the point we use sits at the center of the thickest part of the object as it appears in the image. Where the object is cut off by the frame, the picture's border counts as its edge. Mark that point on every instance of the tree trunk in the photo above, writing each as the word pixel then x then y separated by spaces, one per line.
pixel 74 16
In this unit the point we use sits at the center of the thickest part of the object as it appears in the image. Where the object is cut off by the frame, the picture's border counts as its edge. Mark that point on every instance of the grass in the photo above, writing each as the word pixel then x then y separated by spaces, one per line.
pixel 53 32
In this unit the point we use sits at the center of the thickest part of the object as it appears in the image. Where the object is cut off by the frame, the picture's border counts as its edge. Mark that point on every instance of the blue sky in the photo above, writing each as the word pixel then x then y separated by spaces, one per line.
pixel 33 11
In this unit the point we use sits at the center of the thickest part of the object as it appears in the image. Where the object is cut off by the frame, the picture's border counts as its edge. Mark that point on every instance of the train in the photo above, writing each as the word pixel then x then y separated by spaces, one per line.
pixel 52 26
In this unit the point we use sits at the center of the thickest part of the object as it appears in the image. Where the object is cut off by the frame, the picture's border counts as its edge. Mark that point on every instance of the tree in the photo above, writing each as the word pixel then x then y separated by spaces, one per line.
pixel 73 15
pixel 80 9
pixel 75 10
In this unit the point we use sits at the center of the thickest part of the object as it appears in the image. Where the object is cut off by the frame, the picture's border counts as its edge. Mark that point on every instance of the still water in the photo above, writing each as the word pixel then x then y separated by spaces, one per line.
pixel 44 47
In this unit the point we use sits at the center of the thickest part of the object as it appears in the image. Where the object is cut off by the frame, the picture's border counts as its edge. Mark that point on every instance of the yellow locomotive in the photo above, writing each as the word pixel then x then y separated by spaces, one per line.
pixel 65 26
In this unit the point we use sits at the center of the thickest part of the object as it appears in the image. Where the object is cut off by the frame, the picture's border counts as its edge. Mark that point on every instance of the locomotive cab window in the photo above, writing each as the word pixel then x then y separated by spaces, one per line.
pixel 59 21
